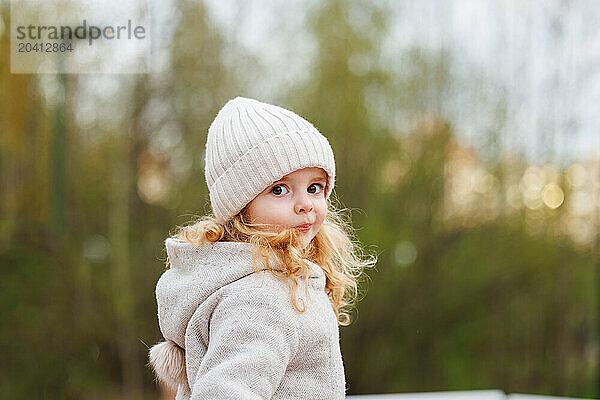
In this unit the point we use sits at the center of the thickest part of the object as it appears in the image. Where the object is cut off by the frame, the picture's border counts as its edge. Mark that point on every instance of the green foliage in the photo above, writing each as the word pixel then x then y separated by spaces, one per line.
pixel 492 308
pixel 32 325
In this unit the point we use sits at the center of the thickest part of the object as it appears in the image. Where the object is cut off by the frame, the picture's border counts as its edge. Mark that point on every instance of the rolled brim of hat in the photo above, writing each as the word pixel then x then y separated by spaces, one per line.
pixel 267 162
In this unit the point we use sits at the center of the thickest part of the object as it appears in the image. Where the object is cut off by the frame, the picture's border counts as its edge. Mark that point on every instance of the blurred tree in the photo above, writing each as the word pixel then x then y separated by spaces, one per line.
pixel 32 300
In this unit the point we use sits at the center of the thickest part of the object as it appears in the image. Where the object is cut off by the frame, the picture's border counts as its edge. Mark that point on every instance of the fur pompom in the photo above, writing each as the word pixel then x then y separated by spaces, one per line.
pixel 168 361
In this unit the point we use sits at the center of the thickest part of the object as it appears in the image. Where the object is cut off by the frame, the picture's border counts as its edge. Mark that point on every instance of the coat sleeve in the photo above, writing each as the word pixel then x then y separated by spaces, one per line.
pixel 252 339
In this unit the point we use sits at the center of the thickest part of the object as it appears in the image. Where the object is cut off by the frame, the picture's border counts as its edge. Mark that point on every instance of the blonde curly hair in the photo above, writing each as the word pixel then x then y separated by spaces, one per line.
pixel 332 248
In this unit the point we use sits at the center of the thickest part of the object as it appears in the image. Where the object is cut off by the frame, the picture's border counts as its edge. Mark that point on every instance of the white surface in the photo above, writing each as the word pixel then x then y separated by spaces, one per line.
pixel 455 395
pixel 517 396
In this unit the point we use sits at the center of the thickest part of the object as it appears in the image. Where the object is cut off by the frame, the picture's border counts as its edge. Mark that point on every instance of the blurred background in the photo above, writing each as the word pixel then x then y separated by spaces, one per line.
pixel 467 142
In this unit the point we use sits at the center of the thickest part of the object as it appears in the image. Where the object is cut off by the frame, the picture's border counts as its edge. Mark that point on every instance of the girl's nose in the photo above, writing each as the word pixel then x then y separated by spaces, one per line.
pixel 303 205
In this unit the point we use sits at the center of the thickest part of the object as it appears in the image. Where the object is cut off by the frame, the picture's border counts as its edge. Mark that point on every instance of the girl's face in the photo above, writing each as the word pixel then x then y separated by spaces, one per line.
pixel 295 201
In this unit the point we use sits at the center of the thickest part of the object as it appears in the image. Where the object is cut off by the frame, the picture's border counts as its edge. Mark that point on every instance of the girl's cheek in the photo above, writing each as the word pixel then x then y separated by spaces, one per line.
pixel 277 214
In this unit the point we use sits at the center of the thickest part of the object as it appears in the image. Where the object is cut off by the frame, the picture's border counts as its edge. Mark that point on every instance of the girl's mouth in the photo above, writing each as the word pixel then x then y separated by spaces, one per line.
pixel 304 227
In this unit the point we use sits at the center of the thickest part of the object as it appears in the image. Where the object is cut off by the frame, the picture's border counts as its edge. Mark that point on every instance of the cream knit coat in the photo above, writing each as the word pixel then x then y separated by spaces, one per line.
pixel 242 337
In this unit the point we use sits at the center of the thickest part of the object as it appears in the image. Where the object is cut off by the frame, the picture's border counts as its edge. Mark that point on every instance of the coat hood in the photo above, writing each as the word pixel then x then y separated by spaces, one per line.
pixel 196 272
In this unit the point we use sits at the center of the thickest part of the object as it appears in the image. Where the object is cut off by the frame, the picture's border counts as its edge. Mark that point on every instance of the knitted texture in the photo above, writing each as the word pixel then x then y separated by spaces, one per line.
pixel 242 337
pixel 252 144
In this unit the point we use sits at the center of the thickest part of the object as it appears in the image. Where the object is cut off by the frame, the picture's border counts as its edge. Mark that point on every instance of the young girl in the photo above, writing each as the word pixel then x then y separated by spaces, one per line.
pixel 252 298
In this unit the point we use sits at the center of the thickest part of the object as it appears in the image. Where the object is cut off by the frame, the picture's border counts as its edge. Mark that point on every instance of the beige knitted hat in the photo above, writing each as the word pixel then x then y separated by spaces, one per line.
pixel 252 144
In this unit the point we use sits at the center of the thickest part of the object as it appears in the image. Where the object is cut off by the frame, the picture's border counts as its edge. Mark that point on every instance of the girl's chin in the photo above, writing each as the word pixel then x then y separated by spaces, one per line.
pixel 304 241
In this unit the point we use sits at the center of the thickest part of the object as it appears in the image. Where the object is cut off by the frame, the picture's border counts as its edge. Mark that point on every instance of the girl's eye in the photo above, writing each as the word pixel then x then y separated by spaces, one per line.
pixel 315 188
pixel 279 190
